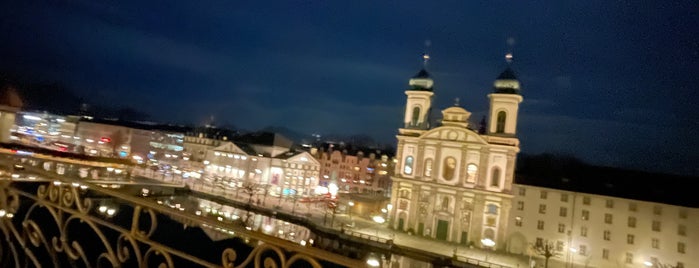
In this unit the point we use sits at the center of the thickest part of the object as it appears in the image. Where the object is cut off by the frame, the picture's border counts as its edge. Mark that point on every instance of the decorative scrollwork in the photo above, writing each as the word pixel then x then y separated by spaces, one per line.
pixel 166 261
pixel 136 222
pixel 64 195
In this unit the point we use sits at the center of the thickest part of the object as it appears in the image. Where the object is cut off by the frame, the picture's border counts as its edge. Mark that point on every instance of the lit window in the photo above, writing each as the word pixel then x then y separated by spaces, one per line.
pixel 520 205
pixel 542 209
pixel 563 212
pixel 632 222
pixel 582 250
pixel 540 225
pixel 585 215
pixel 607 235
pixel 629 239
pixel 544 194
pixel 471 171
pixel 428 168
pixel 408 167
pixel 518 221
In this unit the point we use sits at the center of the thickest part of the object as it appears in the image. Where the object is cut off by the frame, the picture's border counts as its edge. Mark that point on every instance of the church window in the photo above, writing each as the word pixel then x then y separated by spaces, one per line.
pixel 428 168
pixel 445 203
pixel 471 170
pixel 449 167
pixel 492 209
pixel 501 122
pixel 408 167
pixel 416 116
pixel 495 180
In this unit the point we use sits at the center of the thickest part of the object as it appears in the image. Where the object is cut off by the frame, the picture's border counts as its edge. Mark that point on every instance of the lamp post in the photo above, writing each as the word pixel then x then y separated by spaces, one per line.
pixel 657 264
pixel 350 204
pixel 488 243
pixel 572 256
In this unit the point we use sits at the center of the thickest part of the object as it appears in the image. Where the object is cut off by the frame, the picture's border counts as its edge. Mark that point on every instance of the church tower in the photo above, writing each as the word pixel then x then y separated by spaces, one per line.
pixel 504 105
pixel 419 102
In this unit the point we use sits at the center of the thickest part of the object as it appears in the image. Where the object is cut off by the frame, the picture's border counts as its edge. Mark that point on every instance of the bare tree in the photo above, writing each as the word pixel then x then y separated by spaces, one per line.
pixel 547 249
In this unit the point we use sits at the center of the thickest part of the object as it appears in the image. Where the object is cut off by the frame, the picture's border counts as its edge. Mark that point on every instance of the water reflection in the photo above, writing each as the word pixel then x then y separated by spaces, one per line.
pixel 239 217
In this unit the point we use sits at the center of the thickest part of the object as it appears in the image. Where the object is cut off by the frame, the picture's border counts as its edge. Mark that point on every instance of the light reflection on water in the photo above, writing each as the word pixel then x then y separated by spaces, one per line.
pixel 239 217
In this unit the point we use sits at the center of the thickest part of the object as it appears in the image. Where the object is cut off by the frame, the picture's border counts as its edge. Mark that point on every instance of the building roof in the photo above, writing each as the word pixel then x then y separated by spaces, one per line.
pixel 572 175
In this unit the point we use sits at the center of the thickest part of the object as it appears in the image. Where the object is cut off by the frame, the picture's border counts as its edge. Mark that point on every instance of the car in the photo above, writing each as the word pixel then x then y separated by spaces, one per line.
pixel 18 167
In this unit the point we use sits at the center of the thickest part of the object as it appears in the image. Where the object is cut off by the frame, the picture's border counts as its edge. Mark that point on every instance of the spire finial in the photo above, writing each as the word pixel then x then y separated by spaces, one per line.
pixel 426 55
pixel 456 101
pixel 510 45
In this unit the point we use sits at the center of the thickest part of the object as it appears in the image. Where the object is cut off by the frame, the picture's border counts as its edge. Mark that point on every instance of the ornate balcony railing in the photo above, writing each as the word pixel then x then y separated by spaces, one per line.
pixel 62 221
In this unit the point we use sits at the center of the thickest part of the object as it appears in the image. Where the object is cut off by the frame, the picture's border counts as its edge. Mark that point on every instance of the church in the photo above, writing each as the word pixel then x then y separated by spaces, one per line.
pixel 453 182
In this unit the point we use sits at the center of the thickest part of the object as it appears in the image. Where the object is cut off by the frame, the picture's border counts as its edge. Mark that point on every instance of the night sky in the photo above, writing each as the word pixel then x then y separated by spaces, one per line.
pixel 610 82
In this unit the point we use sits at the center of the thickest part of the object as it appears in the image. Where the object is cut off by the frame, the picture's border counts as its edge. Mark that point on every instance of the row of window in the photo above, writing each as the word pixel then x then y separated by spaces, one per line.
pixel 631 221
pixel 450 169
pixel 609 203
pixel 628 257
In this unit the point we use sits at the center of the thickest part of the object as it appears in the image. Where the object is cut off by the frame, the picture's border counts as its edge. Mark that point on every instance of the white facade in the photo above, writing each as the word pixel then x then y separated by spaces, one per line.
pixel 603 231
pixel 452 183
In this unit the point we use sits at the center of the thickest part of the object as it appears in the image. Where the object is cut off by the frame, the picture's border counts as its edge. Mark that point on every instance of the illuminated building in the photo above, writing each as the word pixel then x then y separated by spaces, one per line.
pixel 451 182
pixel 352 171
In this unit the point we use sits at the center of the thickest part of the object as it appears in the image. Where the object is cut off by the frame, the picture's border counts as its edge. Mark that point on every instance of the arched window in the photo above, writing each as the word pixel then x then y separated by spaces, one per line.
pixel 416 116
pixel 408 167
pixel 428 168
pixel 495 179
pixel 502 116
pixel 448 168
pixel 471 171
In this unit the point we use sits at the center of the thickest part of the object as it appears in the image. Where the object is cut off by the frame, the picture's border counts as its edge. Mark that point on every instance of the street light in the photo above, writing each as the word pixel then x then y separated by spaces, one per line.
pixel 572 256
pixel 351 204
pixel 488 243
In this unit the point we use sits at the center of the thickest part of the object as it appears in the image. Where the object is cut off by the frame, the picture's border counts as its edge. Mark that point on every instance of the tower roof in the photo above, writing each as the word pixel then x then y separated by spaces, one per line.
pixel 506 83
pixel 508 74
pixel 422 74
pixel 421 81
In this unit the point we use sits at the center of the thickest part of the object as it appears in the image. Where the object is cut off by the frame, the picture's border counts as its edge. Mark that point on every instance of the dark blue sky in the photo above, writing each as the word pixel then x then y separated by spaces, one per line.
pixel 611 82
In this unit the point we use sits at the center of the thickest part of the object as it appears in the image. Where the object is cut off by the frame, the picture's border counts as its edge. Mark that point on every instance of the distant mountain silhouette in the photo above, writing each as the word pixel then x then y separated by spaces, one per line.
pixel 57 98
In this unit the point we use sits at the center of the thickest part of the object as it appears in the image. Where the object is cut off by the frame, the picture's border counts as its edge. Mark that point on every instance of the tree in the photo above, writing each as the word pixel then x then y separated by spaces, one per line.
pixel 547 249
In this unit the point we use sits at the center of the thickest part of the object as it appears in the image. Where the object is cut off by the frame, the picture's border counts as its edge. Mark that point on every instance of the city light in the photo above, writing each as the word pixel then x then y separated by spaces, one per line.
pixel 378 219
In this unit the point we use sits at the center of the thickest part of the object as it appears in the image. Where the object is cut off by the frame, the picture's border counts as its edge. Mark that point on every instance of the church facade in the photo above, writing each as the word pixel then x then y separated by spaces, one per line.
pixel 453 182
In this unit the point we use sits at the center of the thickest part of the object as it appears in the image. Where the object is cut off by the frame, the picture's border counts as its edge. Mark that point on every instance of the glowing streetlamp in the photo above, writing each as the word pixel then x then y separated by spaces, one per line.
pixel 350 204
pixel 487 242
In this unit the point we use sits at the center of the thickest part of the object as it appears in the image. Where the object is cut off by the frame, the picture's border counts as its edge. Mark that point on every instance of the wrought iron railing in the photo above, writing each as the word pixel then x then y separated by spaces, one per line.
pixel 68 222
